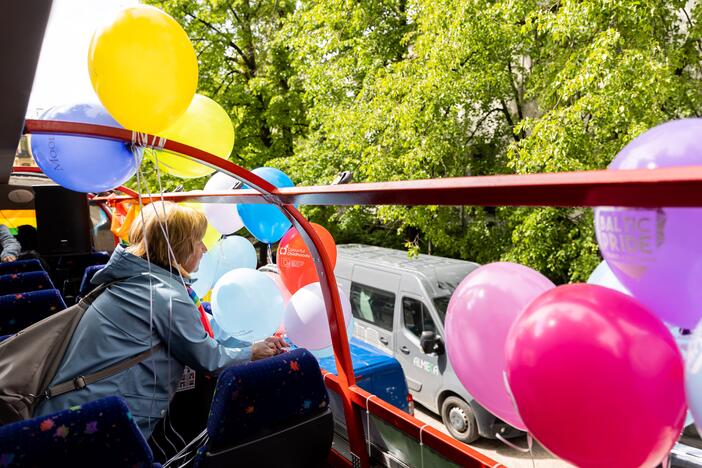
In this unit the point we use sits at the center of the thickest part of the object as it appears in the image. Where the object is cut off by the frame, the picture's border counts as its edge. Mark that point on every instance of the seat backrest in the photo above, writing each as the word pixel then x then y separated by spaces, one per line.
pixel 21 266
pixel 272 403
pixel 85 285
pixel 12 283
pixel 18 311
pixel 100 433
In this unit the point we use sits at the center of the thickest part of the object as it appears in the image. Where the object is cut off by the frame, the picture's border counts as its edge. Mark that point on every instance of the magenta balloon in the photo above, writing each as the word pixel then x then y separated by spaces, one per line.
pixel 479 316
pixel 597 378
pixel 656 253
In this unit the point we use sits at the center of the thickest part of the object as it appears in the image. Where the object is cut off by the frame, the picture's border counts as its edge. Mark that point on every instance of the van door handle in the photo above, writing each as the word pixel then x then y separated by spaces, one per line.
pixel 384 340
pixel 405 350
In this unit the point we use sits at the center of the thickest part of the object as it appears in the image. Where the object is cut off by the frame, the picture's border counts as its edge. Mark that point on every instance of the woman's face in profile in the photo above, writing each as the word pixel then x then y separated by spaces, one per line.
pixel 192 263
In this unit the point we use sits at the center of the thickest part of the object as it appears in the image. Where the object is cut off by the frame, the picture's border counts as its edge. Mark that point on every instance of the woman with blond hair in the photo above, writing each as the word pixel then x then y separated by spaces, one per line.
pixel 146 306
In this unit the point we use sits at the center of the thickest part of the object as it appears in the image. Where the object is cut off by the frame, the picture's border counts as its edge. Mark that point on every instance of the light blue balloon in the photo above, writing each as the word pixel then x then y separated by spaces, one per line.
pixel 266 222
pixel 84 164
pixel 693 376
pixel 603 276
pixel 227 254
pixel 247 305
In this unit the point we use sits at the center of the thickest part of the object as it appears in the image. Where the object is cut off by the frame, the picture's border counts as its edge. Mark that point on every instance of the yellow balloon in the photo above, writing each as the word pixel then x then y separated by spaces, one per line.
pixel 143 68
pixel 211 237
pixel 206 126
pixel 211 234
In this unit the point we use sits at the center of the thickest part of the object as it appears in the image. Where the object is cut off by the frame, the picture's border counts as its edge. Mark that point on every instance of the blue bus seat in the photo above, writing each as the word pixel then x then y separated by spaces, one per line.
pixel 272 412
pixel 12 283
pixel 18 311
pixel 99 433
pixel 21 266
pixel 85 285
pixel 376 372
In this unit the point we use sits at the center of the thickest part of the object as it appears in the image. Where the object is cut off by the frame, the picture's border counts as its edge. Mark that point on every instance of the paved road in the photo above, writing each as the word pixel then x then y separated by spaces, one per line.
pixel 497 450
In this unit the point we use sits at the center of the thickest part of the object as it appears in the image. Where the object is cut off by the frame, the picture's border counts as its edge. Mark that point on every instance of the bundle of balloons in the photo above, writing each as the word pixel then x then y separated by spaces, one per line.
pixel 248 304
pixel 593 371
pixel 159 99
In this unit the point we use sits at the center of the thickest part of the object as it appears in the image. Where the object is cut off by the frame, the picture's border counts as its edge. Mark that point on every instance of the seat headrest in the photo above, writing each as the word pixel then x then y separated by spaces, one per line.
pixel 20 266
pixel 25 282
pixel 100 433
pixel 85 285
pixel 261 397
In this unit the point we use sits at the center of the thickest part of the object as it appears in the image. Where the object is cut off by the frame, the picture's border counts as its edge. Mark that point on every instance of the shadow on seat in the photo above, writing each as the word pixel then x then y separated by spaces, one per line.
pixel 25 282
pixel 100 433
pixel 18 311
pixel 273 412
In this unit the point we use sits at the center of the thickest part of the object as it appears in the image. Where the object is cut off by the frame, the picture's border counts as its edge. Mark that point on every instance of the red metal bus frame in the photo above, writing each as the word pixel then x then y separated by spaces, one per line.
pixel 674 187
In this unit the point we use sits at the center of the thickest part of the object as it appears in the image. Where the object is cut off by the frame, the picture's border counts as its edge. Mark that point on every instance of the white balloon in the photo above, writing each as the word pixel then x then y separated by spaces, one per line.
pixel 223 216
pixel 305 318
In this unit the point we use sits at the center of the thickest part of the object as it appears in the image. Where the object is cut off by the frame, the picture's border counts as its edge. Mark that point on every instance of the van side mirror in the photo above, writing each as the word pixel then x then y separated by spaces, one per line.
pixel 430 343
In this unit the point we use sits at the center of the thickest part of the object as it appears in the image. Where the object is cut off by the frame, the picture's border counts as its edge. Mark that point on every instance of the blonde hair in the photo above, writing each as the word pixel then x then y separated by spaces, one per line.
pixel 185 227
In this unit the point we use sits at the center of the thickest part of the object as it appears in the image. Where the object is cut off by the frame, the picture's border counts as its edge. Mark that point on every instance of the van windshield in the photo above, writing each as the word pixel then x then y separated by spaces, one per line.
pixel 441 304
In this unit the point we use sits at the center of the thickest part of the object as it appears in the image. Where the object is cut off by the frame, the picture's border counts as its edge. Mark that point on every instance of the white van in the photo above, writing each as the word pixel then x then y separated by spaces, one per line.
pixel 400 305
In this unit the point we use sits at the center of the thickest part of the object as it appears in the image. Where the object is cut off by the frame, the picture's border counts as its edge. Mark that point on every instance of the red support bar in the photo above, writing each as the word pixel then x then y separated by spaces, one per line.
pixel 644 188
pixel 450 448
pixel 187 152
pixel 268 192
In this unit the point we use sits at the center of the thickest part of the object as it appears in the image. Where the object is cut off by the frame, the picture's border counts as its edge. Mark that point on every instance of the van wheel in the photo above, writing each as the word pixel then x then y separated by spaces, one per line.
pixel 459 419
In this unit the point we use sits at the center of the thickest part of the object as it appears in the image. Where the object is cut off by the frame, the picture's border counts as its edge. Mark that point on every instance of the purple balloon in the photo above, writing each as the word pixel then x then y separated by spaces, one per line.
pixel 657 253
pixel 480 314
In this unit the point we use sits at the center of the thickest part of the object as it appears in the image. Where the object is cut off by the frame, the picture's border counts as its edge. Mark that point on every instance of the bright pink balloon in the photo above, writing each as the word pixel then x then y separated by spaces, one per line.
pixel 479 316
pixel 597 378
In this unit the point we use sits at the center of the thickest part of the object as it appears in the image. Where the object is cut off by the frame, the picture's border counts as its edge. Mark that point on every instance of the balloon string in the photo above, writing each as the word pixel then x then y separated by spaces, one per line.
pixel 421 444
pixel 499 437
pixel 530 443
pixel 270 255
pixel 368 437
pixel 142 139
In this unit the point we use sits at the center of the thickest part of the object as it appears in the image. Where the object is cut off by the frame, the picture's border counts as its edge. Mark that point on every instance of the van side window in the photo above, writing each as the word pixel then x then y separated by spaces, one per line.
pixel 372 305
pixel 416 316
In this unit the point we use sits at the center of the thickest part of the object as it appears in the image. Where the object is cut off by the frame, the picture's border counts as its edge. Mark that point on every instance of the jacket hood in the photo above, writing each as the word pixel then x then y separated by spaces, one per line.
pixel 123 265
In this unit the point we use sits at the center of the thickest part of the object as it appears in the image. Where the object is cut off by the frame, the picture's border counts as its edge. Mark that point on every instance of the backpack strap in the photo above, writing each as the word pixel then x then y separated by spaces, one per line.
pixel 83 381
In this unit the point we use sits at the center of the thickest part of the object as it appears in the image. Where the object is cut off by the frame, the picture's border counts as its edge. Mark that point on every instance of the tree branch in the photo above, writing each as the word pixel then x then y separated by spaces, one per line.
pixel 230 42
pixel 517 97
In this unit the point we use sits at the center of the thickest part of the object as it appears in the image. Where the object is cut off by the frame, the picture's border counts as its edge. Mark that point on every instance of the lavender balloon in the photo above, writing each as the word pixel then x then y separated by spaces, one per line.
pixel 657 253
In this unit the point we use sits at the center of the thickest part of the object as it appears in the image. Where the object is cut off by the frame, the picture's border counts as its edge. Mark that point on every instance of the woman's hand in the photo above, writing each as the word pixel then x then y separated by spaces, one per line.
pixel 267 348
pixel 280 344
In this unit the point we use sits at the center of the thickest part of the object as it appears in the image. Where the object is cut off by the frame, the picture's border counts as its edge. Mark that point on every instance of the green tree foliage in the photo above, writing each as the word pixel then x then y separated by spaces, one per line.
pixel 398 89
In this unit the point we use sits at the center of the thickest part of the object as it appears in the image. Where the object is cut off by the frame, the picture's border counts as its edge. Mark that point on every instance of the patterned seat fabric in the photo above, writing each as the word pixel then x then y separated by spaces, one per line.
pixel 24 282
pixel 20 266
pixel 265 396
pixel 85 285
pixel 18 311
pixel 101 434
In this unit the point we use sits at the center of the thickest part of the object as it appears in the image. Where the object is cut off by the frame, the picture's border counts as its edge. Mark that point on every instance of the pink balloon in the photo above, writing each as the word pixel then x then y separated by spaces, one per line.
pixel 279 282
pixel 305 318
pixel 597 378
pixel 479 316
